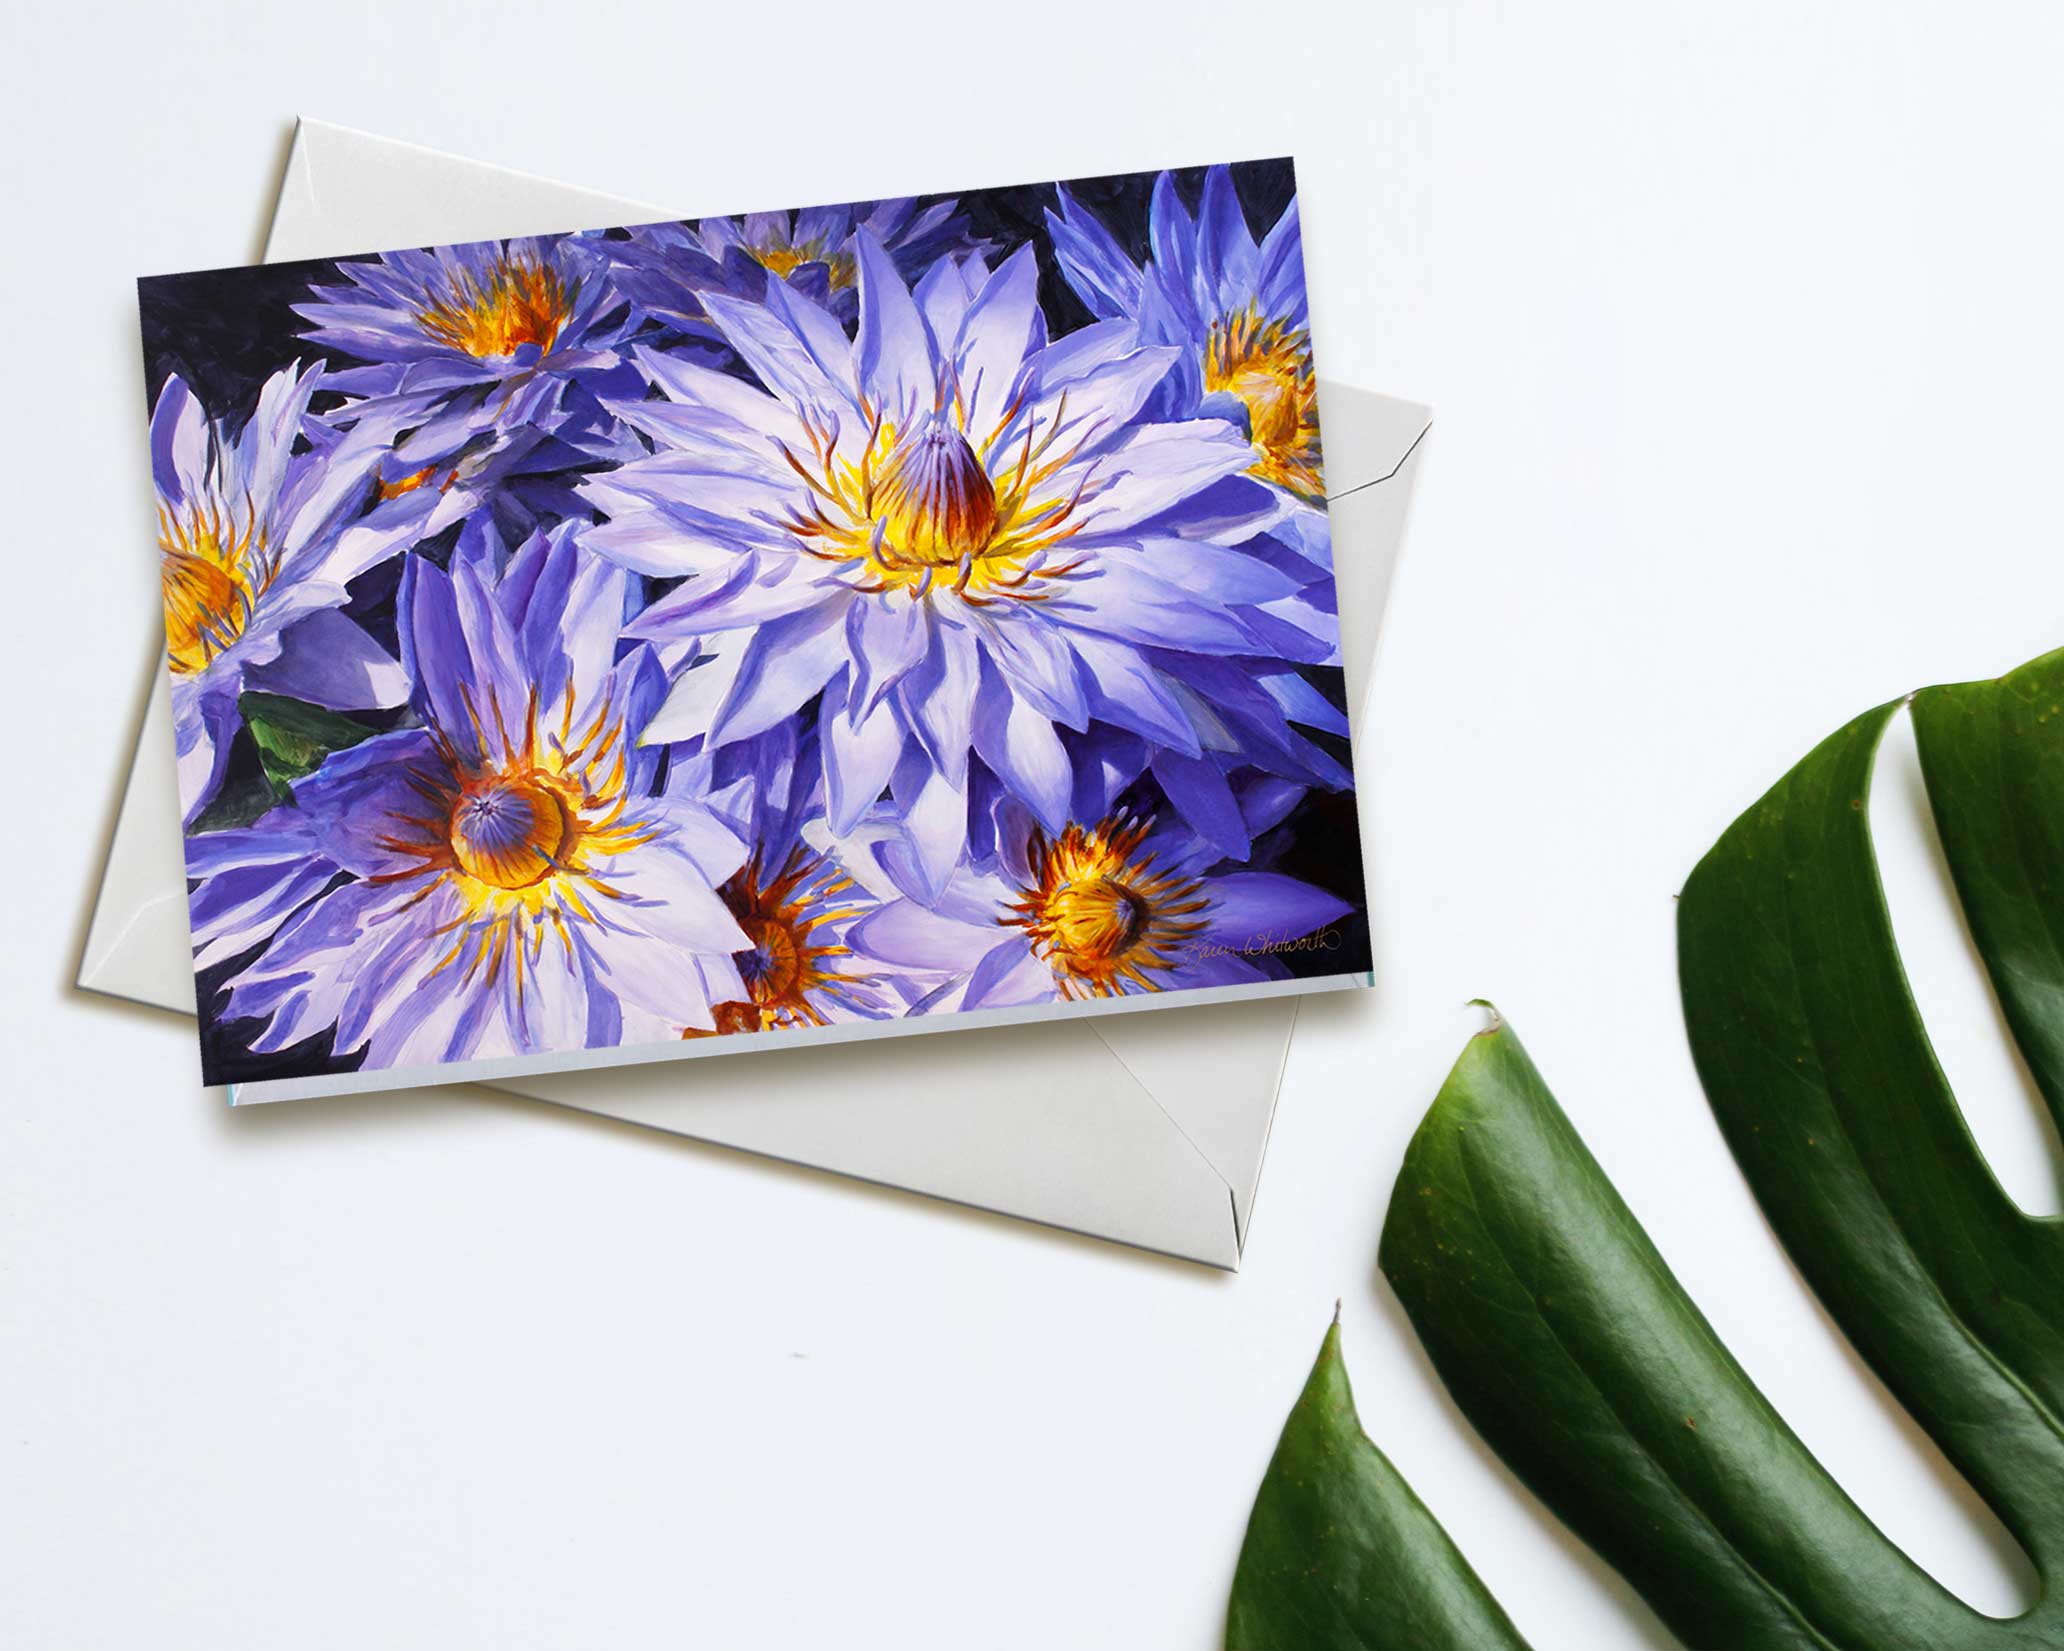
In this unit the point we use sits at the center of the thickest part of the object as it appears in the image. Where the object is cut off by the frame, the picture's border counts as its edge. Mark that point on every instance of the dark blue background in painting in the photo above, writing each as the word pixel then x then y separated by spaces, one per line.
pixel 226 331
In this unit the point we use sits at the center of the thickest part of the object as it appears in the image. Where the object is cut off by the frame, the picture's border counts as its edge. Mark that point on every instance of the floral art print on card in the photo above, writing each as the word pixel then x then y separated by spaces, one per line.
pixel 796 624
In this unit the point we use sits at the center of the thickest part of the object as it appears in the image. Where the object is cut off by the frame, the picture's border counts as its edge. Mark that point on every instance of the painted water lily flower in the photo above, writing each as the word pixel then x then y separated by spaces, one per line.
pixel 256 544
pixel 959 534
pixel 506 878
pixel 1237 310
pixel 665 269
pixel 492 333
pixel 1107 910
pixel 793 899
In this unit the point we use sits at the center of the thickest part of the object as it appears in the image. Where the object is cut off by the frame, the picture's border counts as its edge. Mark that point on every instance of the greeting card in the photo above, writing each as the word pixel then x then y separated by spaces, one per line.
pixel 724 633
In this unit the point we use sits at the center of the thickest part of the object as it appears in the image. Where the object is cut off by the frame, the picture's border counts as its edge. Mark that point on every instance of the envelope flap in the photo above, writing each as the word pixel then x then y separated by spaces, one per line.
pixel 1367 435
pixel 138 945
pixel 1373 448
pixel 1212 1088
pixel 347 191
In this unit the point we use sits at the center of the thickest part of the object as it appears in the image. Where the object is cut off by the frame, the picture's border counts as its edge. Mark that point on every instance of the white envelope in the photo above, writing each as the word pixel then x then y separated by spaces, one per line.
pixel 1147 1129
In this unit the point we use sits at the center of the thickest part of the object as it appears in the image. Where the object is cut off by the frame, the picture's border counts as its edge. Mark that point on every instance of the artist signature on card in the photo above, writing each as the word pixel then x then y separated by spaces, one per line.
pixel 1321 940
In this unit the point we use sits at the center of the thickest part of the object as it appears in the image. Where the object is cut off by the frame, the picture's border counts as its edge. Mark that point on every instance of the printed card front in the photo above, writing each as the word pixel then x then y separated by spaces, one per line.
pixel 859 620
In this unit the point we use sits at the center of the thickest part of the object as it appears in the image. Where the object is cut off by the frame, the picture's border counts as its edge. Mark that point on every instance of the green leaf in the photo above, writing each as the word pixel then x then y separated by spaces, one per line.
pixel 1992 754
pixel 1340 1553
pixel 1820 1073
pixel 293 738
pixel 1565 1339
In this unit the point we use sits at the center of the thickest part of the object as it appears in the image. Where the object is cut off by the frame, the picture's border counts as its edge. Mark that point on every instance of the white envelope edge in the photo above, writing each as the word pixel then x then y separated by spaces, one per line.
pixel 1148 1129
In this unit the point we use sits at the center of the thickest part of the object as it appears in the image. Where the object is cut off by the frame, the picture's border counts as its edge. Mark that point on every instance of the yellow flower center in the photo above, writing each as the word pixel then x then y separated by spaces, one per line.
pixel 1095 917
pixel 787 963
pixel 784 258
pixel 1100 915
pixel 1267 366
pixel 510 831
pixel 524 834
pixel 521 301
pixel 213 567
pixel 938 509
pixel 934 500
pixel 784 261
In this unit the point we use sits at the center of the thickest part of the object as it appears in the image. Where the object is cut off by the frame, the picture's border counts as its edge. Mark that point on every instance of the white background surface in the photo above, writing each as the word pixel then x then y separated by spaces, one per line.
pixel 1743 327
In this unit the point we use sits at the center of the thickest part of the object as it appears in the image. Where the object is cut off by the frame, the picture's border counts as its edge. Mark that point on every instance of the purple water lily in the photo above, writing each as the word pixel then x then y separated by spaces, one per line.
pixel 256 543
pixel 1238 314
pixel 1112 909
pixel 506 878
pixel 666 269
pixel 963 536
pixel 489 336
pixel 1237 311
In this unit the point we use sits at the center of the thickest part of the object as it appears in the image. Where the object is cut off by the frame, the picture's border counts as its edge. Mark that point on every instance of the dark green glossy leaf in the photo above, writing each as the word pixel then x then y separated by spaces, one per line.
pixel 1993 757
pixel 1564 1337
pixel 1822 1078
pixel 1567 1342
pixel 1340 1553
pixel 293 738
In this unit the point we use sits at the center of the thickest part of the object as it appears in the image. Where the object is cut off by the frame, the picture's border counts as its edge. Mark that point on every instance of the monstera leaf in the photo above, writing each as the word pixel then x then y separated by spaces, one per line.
pixel 1566 1341
pixel 1339 1552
